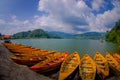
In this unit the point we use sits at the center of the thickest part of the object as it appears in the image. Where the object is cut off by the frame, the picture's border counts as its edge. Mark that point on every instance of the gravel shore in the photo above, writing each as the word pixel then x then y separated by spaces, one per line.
pixel 12 71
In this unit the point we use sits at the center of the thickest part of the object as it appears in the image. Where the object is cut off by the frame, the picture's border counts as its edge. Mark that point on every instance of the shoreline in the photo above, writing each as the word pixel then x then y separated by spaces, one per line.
pixel 12 71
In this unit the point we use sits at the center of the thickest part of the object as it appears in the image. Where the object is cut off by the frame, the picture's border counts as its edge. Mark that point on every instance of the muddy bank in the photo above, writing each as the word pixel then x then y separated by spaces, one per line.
pixel 12 71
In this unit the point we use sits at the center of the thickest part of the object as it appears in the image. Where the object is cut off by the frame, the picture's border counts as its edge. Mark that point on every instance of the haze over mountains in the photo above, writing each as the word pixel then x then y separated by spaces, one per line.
pixel 40 33
pixel 113 35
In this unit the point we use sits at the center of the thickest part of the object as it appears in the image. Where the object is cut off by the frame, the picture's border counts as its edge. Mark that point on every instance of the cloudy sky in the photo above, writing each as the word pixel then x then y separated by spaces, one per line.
pixel 71 16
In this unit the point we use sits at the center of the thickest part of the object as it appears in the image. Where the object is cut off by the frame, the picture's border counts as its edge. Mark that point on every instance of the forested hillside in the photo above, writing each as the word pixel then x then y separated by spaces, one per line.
pixel 38 33
pixel 114 34
pixel 90 35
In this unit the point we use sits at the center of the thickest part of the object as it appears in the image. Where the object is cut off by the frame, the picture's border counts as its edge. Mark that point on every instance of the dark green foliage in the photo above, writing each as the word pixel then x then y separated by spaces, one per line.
pixel 38 33
pixel 21 35
pixel 61 34
pixel 114 34
pixel 87 35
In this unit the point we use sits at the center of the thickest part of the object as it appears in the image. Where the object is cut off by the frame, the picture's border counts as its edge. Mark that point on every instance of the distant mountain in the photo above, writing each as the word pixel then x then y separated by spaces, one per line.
pixel 90 35
pixel 21 35
pixel 37 33
pixel 114 34
pixel 61 34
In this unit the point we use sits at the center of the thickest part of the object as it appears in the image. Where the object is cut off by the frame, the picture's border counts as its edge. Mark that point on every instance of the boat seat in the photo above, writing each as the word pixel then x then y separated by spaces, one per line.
pixel 112 63
pixel 39 58
pixel 85 71
pixel 73 65
pixel 49 64
pixel 83 66
pixel 69 62
pixel 47 57
pixel 66 66
pixel 99 62
pixel 73 58
pixel 31 59
pixel 109 60
pixel 54 61
pixel 87 66
pixel 90 69
pixel 101 66
pixel 86 62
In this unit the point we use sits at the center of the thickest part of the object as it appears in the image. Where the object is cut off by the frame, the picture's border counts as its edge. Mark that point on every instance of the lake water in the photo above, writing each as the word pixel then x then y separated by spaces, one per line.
pixel 71 45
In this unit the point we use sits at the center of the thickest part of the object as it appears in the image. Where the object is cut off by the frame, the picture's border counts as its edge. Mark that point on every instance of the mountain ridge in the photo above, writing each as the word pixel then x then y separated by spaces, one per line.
pixel 37 33
pixel 60 34
pixel 40 33
pixel 90 35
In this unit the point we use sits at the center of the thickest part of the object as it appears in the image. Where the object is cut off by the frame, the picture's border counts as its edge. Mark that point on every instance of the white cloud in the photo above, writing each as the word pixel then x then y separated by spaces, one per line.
pixel 97 4
pixel 76 16
pixel 63 14
pixel 105 21
pixel 14 26
pixel 71 16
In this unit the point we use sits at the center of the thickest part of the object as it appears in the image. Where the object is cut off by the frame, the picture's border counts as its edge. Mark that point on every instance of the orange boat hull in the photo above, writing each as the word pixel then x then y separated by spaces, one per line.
pixel 116 56
pixel 28 62
pixel 50 65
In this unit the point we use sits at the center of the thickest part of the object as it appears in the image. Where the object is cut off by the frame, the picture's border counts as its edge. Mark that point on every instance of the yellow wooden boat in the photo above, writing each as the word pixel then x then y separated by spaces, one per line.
pixel 102 66
pixel 69 65
pixel 24 50
pixel 113 64
pixel 26 60
pixel 31 59
pixel 14 46
pixel 116 56
pixel 35 53
pixel 7 37
pixel 50 63
pixel 87 68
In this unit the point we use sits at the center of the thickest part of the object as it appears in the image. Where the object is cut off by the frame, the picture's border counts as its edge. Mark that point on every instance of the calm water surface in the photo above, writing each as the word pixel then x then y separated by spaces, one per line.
pixel 71 45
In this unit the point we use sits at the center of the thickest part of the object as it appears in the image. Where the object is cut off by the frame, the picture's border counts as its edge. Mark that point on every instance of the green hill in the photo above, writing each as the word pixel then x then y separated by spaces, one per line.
pixel 87 35
pixel 37 33
pixel 114 34
pixel 61 34
pixel 90 35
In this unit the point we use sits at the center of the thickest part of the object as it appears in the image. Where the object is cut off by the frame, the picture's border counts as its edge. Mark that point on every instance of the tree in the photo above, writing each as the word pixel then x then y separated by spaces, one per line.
pixel 114 34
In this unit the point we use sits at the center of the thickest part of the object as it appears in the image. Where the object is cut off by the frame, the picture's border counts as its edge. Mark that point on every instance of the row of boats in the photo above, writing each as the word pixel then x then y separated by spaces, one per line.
pixel 43 61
